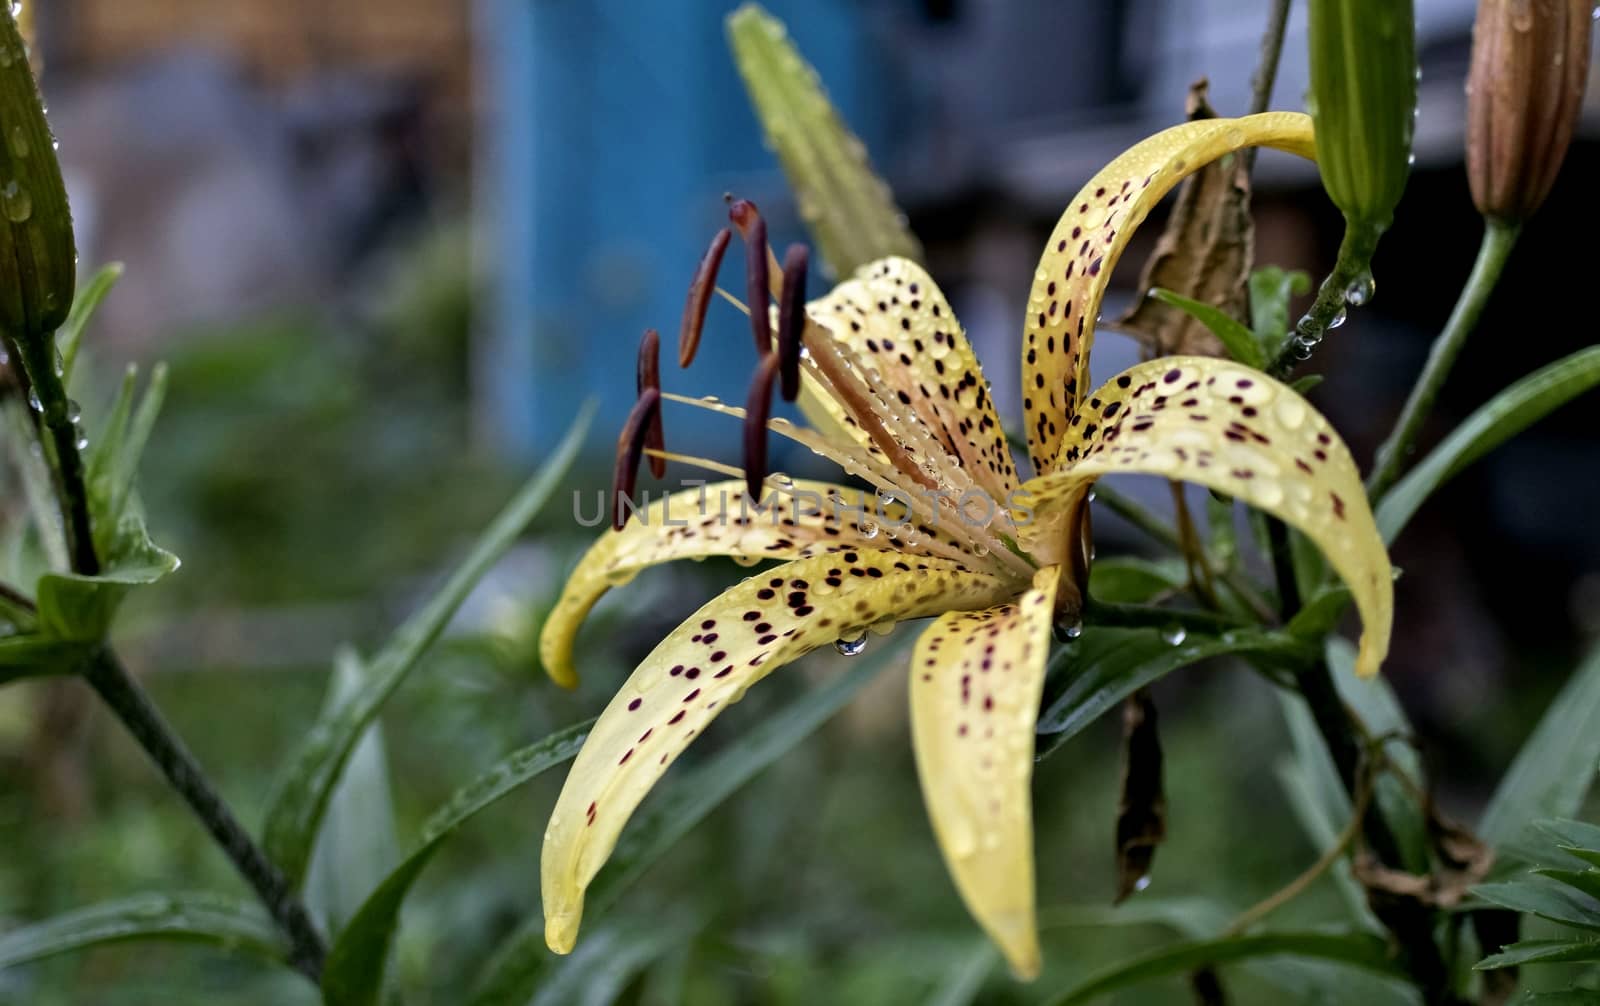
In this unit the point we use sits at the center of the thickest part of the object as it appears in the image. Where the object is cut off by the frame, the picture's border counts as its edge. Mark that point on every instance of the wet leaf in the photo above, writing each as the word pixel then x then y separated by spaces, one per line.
pixel 222 922
pixel 1204 253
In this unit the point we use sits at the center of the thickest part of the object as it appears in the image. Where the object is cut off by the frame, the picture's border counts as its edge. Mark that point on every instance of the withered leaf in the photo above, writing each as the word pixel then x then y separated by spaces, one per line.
pixel 1142 811
pixel 1204 253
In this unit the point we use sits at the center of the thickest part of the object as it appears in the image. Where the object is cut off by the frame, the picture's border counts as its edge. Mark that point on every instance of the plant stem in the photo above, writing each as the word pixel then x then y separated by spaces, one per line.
pixel 37 355
pixel 1355 258
pixel 132 705
pixel 1498 239
pixel 1267 68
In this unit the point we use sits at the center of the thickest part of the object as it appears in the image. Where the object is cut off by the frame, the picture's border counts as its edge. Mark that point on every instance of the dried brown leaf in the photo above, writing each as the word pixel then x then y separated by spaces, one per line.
pixel 1142 811
pixel 1204 253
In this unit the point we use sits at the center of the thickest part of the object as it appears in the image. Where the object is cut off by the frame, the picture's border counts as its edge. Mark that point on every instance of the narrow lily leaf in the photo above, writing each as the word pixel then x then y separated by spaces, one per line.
pixel 354 972
pixel 1238 340
pixel 1548 901
pixel 294 813
pixel 680 805
pixel 1553 772
pixel 1542 952
pixel 80 608
pixel 225 923
pixel 357 846
pixel 846 206
pixel 1368 953
pixel 1104 666
pixel 1128 580
pixel 70 335
pixel 1270 291
pixel 1501 418
pixel 962 983
pixel 1565 997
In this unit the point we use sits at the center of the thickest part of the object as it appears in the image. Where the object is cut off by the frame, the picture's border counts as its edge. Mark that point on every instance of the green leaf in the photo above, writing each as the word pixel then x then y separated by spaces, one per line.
pixel 961 984
pixel 676 808
pixel 1103 666
pixel 226 923
pixel 1270 290
pixel 113 464
pixel 1503 417
pixel 70 335
pixel 1303 386
pixel 294 812
pixel 354 972
pixel 357 846
pixel 1570 834
pixel 1542 952
pixel 1318 616
pixel 1127 580
pixel 1548 901
pixel 1565 997
pixel 1368 953
pixel 79 608
pixel 845 205
pixel 1552 773
pixel 1237 339
pixel 1586 881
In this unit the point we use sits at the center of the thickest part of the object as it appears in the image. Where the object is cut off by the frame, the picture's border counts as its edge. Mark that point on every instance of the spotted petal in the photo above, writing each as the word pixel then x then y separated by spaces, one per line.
pixel 1088 240
pixel 896 321
pixel 975 684
pixel 697 524
pixel 1234 429
pixel 705 665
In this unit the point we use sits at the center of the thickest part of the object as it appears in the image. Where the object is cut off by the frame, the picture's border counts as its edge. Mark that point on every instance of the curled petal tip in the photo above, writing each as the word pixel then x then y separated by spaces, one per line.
pixel 561 931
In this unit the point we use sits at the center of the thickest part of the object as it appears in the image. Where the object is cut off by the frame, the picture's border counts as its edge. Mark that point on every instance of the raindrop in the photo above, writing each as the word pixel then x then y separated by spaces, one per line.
pixel 868 529
pixel 83 442
pixel 17 139
pixel 1142 883
pixel 1174 635
pixel 1411 159
pixel 980 550
pixel 1336 320
pixel 61 363
pixel 16 201
pixel 33 400
pixel 74 412
pixel 1360 290
pixel 851 647
pixel 1091 496
pixel 1073 630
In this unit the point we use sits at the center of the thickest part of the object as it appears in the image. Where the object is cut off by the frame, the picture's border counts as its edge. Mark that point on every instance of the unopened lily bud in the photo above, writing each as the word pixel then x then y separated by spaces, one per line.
pixel 1530 59
pixel 38 260
pixel 1363 100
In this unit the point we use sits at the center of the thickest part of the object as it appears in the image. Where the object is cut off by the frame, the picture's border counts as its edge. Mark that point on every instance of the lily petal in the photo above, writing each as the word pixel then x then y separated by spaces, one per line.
pixel 1090 237
pixel 705 665
pixel 976 678
pixel 897 323
pixel 1236 430
pixel 697 524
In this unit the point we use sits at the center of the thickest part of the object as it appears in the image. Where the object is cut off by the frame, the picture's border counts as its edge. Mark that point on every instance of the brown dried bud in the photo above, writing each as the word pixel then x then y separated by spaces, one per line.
pixel 1529 62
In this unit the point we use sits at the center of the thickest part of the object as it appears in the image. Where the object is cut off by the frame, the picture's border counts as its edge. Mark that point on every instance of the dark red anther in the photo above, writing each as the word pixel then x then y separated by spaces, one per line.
pixel 744 215
pixel 792 319
pixel 757 407
pixel 756 286
pixel 655 437
pixel 630 446
pixel 700 289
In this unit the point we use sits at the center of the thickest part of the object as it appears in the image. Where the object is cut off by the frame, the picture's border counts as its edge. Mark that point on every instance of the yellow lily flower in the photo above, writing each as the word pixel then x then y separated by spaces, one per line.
pixel 894 395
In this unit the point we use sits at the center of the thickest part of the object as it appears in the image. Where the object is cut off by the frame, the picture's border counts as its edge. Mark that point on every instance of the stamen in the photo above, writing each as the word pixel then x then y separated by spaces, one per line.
pixel 744 215
pixel 756 277
pixel 649 376
pixel 757 407
pixel 630 444
pixel 792 318
pixel 694 309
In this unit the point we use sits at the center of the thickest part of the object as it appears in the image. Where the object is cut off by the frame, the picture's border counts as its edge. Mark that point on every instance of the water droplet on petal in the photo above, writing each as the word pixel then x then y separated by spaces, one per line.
pixel 851 647
pixel 868 529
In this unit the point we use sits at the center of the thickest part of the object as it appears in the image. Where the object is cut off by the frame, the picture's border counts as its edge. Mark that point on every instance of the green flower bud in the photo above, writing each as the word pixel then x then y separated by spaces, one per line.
pixel 1363 100
pixel 1530 59
pixel 38 260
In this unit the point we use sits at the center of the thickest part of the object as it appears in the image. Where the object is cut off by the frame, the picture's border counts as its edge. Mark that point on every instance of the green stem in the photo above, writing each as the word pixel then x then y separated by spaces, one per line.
pixel 37 355
pixel 1327 311
pixel 1498 239
pixel 132 705
pixel 1267 68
